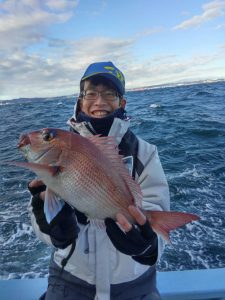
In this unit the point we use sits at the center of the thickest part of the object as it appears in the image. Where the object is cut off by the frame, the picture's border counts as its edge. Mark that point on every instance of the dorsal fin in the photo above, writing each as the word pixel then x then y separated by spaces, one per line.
pixel 109 148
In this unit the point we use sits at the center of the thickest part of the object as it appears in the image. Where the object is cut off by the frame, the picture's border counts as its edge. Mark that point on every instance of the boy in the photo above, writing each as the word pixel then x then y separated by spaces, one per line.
pixel 99 259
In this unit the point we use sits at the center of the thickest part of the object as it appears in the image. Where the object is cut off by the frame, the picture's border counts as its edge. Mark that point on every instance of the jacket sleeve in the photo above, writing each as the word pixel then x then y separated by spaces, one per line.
pixel 42 236
pixel 153 183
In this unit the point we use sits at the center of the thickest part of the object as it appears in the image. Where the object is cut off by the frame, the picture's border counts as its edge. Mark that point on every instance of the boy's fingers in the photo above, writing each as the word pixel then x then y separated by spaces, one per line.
pixel 42 196
pixel 35 183
pixel 137 214
pixel 123 222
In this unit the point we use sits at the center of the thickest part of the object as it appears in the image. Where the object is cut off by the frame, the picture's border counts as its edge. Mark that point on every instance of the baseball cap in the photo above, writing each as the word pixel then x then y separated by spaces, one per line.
pixel 107 70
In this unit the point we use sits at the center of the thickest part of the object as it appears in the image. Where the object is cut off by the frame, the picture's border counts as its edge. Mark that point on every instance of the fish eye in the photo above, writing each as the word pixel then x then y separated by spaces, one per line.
pixel 48 135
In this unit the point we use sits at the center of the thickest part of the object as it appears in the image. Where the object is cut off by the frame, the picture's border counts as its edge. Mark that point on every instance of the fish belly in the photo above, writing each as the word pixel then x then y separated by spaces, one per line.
pixel 96 197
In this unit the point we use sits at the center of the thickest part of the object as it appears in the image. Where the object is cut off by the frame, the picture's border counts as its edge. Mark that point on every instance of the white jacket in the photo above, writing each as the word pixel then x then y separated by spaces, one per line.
pixel 95 259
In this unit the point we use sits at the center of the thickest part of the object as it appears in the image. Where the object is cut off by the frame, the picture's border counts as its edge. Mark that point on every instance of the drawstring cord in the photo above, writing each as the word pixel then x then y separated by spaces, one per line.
pixel 64 262
pixel 65 259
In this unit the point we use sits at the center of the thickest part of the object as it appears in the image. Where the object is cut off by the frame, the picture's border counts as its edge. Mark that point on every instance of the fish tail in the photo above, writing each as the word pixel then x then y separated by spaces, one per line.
pixel 163 222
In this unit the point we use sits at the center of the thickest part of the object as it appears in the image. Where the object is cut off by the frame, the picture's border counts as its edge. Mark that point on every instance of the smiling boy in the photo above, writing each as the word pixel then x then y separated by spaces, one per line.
pixel 105 259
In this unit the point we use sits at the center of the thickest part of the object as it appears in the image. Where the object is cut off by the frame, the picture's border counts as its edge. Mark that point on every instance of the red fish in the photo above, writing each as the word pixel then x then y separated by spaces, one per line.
pixel 89 174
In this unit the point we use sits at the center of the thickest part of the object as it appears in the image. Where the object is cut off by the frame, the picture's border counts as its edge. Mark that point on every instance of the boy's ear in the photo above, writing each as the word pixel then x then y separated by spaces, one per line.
pixel 123 103
pixel 80 103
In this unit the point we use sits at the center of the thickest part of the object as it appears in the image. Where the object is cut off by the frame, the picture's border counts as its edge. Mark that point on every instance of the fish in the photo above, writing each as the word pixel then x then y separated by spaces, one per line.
pixel 89 174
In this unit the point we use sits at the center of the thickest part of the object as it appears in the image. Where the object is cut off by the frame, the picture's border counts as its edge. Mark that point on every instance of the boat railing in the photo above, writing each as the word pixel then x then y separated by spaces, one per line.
pixel 178 285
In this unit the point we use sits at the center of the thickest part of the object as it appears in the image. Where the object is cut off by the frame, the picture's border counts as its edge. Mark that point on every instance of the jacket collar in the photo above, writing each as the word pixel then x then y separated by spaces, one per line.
pixel 118 129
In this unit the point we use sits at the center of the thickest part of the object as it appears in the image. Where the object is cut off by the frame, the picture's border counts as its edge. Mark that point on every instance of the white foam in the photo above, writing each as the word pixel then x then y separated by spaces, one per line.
pixel 154 105
pixel 21 230
pixel 4 103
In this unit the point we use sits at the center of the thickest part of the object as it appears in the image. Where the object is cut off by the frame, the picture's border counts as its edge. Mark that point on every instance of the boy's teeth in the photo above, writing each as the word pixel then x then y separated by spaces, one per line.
pixel 100 113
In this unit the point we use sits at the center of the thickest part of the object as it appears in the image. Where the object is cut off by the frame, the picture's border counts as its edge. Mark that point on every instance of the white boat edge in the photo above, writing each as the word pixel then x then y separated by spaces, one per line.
pixel 176 285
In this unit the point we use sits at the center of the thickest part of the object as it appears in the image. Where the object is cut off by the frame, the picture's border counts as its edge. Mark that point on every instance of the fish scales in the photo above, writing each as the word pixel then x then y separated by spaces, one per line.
pixel 96 194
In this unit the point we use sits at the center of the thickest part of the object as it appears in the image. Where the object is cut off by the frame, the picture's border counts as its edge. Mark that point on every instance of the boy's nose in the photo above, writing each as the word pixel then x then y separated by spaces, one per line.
pixel 100 98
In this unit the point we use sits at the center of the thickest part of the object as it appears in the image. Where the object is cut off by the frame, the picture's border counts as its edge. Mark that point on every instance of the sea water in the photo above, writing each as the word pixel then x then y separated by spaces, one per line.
pixel 187 123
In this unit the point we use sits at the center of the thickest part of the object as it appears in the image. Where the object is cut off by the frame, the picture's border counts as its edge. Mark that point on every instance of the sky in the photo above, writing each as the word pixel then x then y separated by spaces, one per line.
pixel 46 45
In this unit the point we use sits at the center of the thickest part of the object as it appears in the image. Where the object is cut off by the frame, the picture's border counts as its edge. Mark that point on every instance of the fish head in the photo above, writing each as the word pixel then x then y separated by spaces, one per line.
pixel 43 146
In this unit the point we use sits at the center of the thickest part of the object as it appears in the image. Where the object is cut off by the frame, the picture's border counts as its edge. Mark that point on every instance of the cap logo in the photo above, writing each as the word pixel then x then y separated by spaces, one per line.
pixel 115 72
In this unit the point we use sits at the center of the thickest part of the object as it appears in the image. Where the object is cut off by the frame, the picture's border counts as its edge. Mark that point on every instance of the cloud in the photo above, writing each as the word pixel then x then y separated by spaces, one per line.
pixel 148 32
pixel 30 75
pixel 220 26
pixel 168 69
pixel 61 4
pixel 26 75
pixel 25 22
pixel 97 10
pixel 211 11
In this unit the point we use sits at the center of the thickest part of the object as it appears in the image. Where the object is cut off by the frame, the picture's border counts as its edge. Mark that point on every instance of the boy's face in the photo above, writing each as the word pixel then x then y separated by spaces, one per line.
pixel 103 105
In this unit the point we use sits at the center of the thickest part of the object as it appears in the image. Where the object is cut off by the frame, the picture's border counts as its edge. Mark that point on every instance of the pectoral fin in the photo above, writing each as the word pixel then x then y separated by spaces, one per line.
pixel 36 168
pixel 52 205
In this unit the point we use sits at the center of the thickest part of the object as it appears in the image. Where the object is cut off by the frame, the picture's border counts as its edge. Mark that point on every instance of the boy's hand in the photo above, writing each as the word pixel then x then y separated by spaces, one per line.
pixel 63 229
pixel 139 241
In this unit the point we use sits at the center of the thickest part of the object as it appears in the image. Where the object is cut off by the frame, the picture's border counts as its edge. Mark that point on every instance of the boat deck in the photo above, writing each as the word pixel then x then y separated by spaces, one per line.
pixel 179 285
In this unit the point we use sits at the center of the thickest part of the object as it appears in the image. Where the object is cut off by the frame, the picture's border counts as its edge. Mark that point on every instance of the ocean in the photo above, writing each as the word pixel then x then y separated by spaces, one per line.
pixel 186 122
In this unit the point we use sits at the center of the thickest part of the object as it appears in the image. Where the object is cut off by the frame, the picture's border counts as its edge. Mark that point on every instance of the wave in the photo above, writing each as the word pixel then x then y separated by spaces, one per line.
pixel 207 132
pixel 203 93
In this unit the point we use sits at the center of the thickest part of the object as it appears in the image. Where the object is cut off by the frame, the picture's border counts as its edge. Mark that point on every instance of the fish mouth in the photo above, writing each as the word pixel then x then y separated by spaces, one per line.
pixel 24 141
pixel 32 157
pixel 39 157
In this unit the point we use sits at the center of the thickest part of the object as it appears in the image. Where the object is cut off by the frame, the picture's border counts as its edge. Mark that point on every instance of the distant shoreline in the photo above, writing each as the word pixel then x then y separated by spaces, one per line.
pixel 175 84
pixel 143 88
